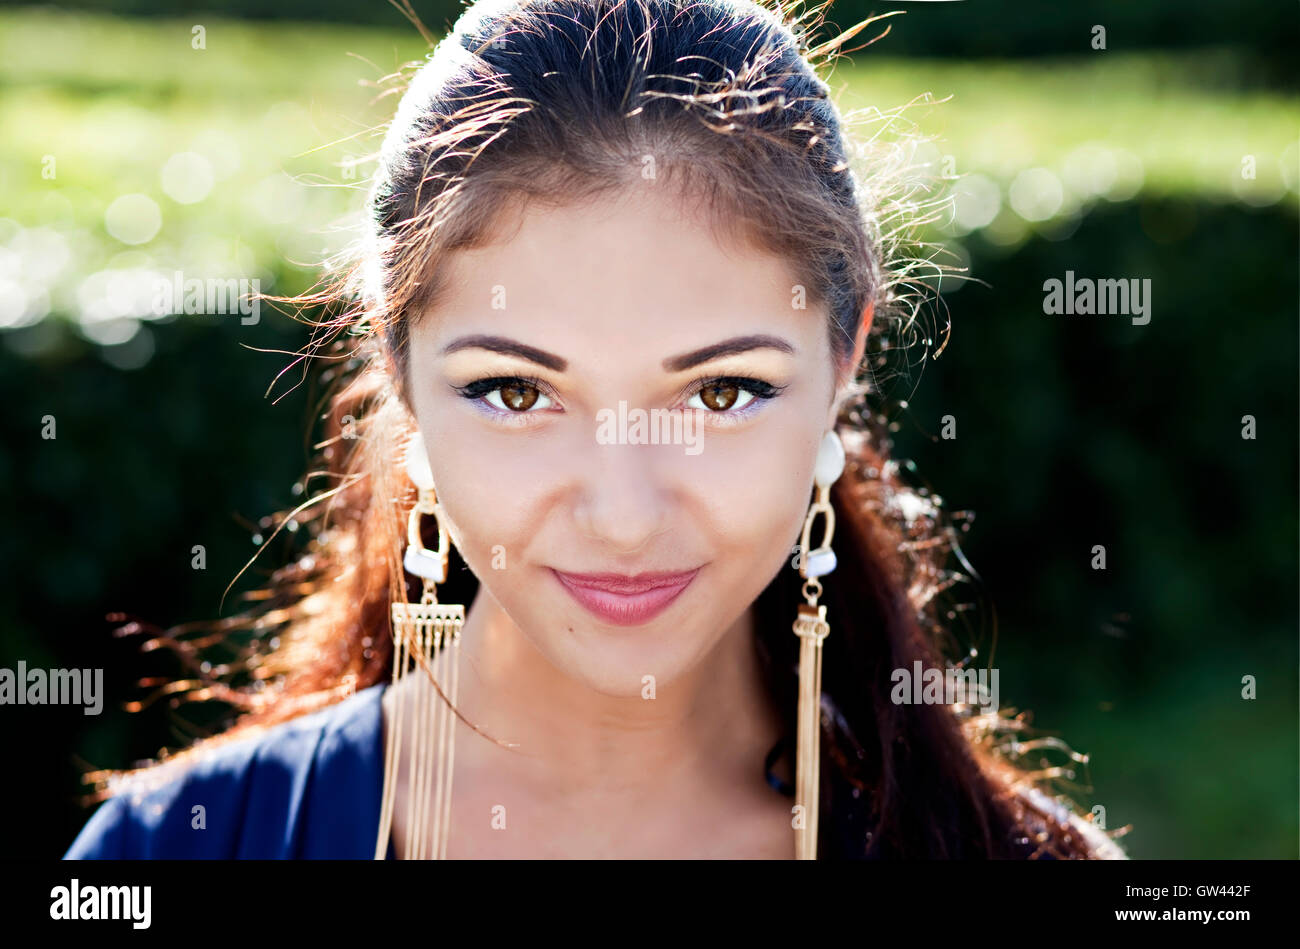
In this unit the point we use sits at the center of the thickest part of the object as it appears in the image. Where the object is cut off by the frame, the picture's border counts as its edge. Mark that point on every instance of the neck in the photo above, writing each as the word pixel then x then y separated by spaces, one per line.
pixel 709 729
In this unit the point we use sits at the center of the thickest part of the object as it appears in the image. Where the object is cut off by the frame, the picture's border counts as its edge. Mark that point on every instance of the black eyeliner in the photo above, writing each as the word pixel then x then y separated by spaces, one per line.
pixel 760 389
pixel 481 387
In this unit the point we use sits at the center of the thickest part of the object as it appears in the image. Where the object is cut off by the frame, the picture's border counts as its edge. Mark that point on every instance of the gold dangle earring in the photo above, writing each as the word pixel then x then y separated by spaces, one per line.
pixel 811 627
pixel 426 635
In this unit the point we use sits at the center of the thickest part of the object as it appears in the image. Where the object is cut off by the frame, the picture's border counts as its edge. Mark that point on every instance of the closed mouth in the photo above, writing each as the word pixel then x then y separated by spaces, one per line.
pixel 625 600
pixel 625 585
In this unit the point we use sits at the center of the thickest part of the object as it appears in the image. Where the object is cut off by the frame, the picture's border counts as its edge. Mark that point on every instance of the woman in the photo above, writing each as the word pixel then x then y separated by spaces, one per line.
pixel 619 284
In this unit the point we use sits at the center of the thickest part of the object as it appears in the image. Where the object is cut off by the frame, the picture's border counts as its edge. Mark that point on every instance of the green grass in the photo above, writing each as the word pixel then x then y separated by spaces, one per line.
pixel 112 99
pixel 1166 109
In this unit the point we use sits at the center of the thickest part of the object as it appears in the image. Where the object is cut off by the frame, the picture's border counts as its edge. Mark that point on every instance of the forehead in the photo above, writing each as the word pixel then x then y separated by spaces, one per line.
pixel 638 267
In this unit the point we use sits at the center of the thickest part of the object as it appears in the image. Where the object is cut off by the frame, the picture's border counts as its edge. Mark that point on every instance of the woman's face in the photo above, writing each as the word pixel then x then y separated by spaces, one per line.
pixel 528 379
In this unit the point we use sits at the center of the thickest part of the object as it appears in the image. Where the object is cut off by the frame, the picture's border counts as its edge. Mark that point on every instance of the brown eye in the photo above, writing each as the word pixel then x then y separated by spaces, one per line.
pixel 719 396
pixel 519 397
pixel 508 395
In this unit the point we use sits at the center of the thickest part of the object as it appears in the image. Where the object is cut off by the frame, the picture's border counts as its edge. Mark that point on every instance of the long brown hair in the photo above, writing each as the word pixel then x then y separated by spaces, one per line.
pixel 722 101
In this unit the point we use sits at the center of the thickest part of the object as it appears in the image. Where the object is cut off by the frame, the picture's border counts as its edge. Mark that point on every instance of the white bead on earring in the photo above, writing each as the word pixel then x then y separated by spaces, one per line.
pixel 830 460
pixel 830 465
pixel 419 560
pixel 417 463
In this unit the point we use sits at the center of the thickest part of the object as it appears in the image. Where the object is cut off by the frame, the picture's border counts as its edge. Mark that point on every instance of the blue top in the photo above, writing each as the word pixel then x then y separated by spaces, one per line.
pixel 312 793
pixel 309 788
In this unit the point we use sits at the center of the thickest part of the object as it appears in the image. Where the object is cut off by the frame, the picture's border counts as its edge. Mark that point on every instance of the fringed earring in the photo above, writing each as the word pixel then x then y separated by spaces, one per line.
pixel 426 635
pixel 811 627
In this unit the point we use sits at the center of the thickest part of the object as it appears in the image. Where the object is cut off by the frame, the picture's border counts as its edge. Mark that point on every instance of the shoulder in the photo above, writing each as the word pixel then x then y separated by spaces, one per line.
pixel 307 787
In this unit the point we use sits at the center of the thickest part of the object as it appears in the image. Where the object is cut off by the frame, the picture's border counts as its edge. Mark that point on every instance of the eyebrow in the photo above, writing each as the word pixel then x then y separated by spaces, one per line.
pixel 727 347
pixel 510 347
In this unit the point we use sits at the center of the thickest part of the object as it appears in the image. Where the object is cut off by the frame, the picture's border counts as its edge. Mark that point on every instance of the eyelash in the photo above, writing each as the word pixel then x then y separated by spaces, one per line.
pixel 760 390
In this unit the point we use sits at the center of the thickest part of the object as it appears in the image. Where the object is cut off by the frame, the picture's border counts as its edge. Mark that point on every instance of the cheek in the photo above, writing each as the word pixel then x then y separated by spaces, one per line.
pixel 757 515
pixel 757 485
pixel 753 493
pixel 491 494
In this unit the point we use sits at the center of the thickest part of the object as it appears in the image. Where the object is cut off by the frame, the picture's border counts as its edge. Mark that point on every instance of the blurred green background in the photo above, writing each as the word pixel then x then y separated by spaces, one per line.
pixel 1171 155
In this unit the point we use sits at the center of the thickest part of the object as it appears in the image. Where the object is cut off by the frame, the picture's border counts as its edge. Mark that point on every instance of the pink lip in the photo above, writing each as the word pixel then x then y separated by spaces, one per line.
pixel 623 600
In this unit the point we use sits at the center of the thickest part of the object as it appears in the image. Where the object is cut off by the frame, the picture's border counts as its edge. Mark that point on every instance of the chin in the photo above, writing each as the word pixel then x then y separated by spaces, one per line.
pixel 615 661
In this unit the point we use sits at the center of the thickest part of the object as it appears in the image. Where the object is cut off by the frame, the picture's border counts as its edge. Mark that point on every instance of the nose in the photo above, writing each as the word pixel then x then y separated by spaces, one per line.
pixel 622 504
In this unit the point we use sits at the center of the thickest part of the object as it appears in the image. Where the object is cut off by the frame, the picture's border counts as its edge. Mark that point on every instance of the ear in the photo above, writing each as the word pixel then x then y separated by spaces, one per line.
pixel 848 370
